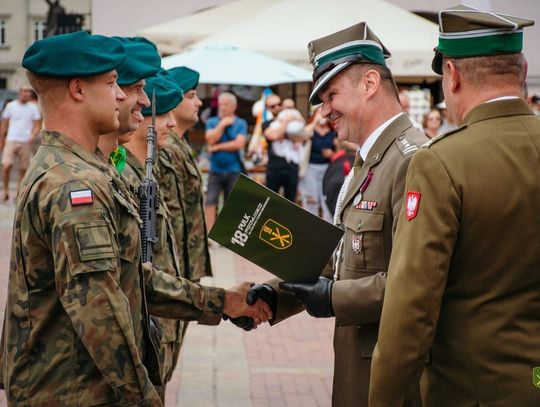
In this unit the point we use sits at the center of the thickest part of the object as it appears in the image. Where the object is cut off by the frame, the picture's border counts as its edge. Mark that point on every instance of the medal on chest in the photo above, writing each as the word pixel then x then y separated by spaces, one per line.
pixel 365 183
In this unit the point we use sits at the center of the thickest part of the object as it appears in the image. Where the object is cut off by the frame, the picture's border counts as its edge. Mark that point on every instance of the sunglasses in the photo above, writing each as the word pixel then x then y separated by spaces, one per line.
pixel 273 106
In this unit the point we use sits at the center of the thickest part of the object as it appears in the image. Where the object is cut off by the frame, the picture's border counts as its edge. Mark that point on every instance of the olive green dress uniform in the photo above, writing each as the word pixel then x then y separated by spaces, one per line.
pixel 358 294
pixel 76 328
pixel 464 282
pixel 467 268
pixel 368 213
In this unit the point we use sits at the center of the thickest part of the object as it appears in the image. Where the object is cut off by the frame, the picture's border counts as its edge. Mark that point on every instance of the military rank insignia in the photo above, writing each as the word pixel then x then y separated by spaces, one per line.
pixel 357 244
pixel 81 197
pixel 413 200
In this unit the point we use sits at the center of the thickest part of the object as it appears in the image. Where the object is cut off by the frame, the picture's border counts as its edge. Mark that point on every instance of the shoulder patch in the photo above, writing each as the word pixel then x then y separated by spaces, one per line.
pixel 441 136
pixel 81 197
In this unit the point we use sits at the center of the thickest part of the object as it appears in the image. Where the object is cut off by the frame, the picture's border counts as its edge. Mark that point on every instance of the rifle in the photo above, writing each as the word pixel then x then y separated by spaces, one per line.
pixel 147 193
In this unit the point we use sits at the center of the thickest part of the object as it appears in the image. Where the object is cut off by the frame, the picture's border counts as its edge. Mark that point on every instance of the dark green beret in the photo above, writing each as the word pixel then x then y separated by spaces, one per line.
pixel 142 60
pixel 332 54
pixel 186 78
pixel 73 55
pixel 469 32
pixel 168 94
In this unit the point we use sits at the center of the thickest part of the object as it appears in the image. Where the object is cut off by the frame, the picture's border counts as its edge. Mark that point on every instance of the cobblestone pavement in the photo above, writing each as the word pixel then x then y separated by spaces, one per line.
pixel 289 364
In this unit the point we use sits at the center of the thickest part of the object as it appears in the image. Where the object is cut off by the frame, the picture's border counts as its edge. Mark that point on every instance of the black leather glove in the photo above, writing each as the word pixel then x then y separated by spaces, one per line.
pixel 262 291
pixel 316 297
pixel 266 293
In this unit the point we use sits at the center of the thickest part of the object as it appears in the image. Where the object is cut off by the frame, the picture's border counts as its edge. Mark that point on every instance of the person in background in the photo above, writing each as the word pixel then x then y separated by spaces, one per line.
pixel 322 142
pixel 226 135
pixel 284 154
pixel 288 103
pixel 339 167
pixel 432 123
pixel 21 122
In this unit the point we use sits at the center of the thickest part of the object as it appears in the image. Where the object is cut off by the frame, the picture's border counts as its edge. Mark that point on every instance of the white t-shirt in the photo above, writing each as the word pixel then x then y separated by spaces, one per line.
pixel 21 120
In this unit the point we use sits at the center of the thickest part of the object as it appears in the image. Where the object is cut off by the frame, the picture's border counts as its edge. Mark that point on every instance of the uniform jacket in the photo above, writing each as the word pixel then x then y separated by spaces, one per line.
pixel 165 259
pixel 464 278
pixel 180 180
pixel 76 327
pixel 369 225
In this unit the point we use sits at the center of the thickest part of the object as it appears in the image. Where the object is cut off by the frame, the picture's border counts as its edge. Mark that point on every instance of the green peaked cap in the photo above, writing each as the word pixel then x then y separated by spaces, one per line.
pixel 73 55
pixel 469 32
pixel 168 93
pixel 332 54
pixel 186 78
pixel 142 60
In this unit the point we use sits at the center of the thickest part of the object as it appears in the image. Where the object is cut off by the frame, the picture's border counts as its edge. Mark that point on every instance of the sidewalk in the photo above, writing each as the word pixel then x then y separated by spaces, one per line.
pixel 289 364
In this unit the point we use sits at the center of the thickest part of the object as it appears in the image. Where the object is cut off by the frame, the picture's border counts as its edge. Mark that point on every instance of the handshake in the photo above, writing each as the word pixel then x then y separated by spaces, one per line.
pixel 261 300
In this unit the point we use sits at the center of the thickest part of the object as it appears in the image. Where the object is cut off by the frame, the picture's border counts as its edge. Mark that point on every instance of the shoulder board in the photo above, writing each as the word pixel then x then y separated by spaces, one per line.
pixel 441 136
pixel 406 145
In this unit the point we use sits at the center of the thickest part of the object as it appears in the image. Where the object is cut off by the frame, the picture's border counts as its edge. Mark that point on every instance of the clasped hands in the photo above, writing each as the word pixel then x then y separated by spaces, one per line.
pixel 316 297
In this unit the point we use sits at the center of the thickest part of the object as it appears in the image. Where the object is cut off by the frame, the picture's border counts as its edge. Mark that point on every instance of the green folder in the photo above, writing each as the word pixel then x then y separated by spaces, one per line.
pixel 274 233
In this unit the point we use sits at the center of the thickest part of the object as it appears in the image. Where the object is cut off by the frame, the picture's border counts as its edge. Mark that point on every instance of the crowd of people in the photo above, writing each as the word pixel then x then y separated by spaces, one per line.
pixel 434 287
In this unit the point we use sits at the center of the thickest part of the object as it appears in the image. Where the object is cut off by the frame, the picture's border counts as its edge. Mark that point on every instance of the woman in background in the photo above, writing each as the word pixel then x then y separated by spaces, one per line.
pixel 323 144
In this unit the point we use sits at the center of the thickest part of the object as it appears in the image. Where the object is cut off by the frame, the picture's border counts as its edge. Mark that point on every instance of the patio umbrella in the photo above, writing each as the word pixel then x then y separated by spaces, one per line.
pixel 228 64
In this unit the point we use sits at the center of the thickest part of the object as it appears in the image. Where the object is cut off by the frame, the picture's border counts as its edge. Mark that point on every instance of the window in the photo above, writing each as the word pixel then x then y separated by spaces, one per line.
pixel 3 39
pixel 39 29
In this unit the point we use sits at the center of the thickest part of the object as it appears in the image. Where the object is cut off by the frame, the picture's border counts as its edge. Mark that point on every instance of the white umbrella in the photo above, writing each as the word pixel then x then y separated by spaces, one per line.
pixel 228 64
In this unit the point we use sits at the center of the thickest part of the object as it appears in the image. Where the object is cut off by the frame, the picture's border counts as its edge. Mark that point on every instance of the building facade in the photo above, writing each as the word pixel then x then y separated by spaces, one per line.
pixel 21 23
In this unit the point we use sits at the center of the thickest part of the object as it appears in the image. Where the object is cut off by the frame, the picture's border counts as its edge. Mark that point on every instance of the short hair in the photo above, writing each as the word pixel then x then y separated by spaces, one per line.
pixel 356 71
pixel 46 87
pixel 228 96
pixel 490 70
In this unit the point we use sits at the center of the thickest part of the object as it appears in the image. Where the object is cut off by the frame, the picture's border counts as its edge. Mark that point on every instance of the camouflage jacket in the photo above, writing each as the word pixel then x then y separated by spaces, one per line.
pixel 165 252
pixel 75 328
pixel 180 181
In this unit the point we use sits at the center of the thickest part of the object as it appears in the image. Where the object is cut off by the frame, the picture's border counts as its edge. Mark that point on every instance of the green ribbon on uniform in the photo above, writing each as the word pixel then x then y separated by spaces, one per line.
pixel 119 157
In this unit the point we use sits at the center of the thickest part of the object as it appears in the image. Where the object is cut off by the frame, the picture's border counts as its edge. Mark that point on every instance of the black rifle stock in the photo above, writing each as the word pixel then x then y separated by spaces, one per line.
pixel 148 193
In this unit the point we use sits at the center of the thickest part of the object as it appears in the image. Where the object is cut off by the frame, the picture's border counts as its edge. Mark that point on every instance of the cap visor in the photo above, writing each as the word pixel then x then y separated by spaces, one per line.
pixel 323 80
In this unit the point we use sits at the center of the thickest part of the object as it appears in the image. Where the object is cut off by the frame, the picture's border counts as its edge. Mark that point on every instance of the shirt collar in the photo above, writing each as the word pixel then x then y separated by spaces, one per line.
pixel 370 141
pixel 502 98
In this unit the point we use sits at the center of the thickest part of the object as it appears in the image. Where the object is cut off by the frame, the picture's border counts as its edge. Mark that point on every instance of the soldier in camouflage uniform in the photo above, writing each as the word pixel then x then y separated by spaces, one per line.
pixel 166 256
pixel 76 329
pixel 180 179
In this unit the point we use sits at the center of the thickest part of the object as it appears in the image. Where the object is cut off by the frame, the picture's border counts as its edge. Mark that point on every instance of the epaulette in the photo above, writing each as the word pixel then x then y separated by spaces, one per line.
pixel 441 136
pixel 406 146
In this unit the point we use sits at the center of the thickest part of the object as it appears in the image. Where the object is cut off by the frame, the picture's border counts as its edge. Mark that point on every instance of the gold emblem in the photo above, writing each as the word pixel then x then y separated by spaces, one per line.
pixel 276 235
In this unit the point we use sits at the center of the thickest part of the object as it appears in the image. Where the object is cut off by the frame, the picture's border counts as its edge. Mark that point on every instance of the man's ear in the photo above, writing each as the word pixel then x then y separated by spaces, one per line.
pixel 76 89
pixel 455 76
pixel 371 82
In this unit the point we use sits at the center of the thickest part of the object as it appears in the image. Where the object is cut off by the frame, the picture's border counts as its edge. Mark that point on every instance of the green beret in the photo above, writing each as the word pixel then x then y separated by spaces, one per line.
pixel 168 94
pixel 469 32
pixel 74 55
pixel 142 60
pixel 186 78
pixel 332 54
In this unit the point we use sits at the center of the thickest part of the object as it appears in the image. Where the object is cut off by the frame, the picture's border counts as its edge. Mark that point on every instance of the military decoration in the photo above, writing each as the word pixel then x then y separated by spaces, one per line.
pixel 413 200
pixel 357 244
pixel 366 205
pixel 363 187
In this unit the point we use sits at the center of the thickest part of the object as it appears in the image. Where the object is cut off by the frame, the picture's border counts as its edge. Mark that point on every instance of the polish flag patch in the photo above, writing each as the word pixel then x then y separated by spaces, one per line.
pixel 413 200
pixel 81 197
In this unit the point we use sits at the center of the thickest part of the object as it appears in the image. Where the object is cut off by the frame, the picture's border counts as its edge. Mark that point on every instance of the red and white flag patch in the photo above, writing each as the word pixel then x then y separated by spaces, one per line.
pixel 413 200
pixel 81 197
